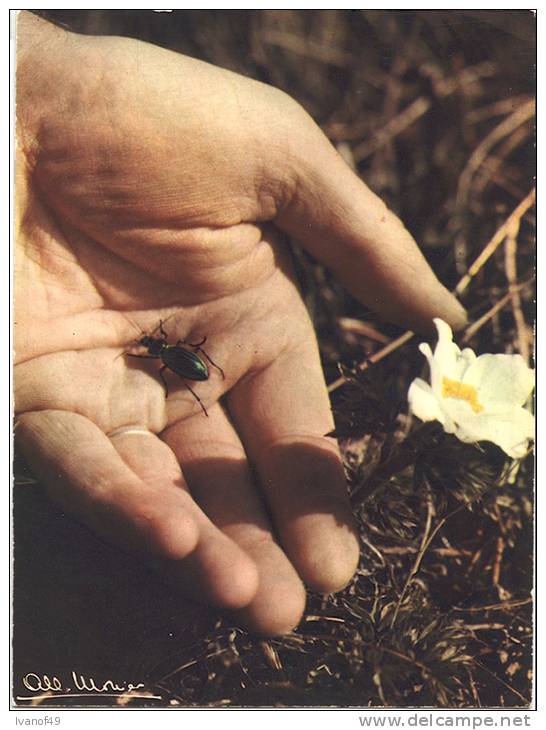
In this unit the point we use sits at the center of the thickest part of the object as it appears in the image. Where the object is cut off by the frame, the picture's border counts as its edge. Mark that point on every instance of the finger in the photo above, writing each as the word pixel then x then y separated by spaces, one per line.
pixel 282 414
pixel 216 571
pixel 341 222
pixel 84 473
pixel 220 480
pixel 131 492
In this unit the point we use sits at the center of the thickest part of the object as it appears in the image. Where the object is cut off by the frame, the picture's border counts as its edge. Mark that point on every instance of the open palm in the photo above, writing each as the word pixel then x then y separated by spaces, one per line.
pixel 153 187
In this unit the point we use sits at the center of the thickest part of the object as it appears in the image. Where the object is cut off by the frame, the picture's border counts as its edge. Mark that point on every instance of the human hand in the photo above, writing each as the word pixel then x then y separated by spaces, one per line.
pixel 153 186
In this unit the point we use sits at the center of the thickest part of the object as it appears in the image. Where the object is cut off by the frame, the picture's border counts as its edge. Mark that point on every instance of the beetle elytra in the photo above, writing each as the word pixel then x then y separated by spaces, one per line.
pixel 185 362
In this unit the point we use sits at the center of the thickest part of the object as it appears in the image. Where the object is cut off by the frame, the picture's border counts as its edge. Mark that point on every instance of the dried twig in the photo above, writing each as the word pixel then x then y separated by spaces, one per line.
pixel 410 114
pixel 501 681
pixel 473 688
pixel 425 542
pixel 376 357
pixel 506 127
pixel 494 163
pixel 394 127
pixel 504 606
pixel 479 323
pixel 495 242
pixel 510 249
pixel 499 552
pixel 363 328
pixel 504 106
pixel 325 54
pixel 271 655
pixel 501 233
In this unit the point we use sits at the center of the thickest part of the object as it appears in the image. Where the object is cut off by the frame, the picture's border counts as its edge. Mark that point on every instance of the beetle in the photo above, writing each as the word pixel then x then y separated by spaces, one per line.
pixel 187 364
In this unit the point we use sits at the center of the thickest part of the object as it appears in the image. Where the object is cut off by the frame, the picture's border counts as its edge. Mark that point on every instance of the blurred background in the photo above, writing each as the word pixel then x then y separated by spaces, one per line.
pixel 435 111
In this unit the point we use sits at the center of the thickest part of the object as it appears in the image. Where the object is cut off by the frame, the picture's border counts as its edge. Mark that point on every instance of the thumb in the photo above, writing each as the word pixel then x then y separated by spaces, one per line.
pixel 342 223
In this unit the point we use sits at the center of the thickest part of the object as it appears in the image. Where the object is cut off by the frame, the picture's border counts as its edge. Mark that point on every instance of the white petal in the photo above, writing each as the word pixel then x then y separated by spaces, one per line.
pixel 459 410
pixel 426 406
pixel 452 362
pixel 462 362
pixel 501 381
pixel 435 369
pixel 511 430
pixel 469 355
pixel 446 350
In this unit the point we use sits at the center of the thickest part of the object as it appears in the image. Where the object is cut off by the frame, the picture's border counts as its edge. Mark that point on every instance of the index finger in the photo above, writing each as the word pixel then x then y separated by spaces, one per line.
pixel 349 228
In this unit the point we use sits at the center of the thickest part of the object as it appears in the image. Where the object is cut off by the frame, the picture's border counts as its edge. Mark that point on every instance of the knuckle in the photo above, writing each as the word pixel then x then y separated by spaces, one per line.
pixel 169 536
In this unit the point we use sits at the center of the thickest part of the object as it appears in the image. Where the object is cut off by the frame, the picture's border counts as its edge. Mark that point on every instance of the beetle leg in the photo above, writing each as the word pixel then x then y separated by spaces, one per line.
pixel 144 357
pixel 165 335
pixel 197 347
pixel 192 344
pixel 197 398
pixel 161 369
pixel 200 349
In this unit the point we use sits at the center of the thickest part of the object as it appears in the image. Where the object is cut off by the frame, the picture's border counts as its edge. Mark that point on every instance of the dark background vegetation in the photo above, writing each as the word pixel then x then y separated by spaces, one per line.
pixel 434 110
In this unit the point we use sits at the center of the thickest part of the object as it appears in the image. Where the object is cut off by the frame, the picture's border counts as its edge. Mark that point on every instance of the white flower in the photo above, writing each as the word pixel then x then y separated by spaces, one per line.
pixel 476 398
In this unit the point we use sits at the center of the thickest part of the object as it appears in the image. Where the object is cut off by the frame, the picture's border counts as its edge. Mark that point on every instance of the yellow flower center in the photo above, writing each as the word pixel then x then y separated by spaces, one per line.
pixel 455 389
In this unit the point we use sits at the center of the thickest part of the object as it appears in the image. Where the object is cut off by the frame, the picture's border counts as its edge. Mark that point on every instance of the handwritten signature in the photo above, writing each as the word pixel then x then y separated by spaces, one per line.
pixel 43 683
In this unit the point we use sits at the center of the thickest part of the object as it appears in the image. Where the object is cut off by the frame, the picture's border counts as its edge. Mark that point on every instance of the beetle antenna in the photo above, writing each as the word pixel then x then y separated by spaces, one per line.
pixel 163 322
pixel 157 327
pixel 133 325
